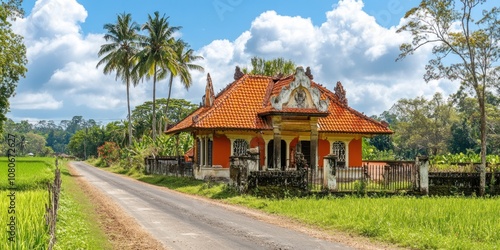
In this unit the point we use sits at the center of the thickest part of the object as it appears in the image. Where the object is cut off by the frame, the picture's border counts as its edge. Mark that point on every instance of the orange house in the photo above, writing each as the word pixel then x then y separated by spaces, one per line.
pixel 280 116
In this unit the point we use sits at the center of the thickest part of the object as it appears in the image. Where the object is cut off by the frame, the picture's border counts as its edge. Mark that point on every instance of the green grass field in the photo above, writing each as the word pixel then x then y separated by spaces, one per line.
pixel 31 177
pixel 77 226
pixel 416 223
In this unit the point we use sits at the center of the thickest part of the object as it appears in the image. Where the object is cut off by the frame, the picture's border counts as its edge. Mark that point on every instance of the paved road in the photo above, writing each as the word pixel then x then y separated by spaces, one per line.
pixel 182 222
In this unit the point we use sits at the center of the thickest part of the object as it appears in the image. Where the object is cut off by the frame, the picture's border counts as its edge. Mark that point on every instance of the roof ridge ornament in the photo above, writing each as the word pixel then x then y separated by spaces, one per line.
pixel 237 73
pixel 308 73
pixel 340 93
pixel 209 97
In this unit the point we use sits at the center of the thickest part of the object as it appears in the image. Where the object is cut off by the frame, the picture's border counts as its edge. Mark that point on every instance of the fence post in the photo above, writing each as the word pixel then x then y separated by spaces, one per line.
pixel 423 163
pixel 330 172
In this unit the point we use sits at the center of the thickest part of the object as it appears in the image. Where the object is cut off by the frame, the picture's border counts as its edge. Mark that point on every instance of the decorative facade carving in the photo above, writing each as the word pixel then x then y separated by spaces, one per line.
pixel 340 93
pixel 237 73
pixel 209 97
pixel 300 94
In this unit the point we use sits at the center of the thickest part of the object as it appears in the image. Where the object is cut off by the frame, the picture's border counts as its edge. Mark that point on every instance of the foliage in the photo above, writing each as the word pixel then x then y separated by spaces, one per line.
pixel 119 55
pixel 178 109
pixel 12 55
pixel 109 152
pixel 422 126
pixel 274 67
pixel 84 143
pixel 455 34
pixel 185 62
pixel 157 57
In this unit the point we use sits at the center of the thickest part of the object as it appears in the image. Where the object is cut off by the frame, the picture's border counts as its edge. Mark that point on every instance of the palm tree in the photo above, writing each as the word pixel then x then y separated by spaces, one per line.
pixel 157 58
pixel 119 55
pixel 185 59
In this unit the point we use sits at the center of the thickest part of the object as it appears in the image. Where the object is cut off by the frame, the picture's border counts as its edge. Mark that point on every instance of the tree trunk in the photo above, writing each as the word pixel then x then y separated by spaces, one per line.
pixel 482 167
pixel 168 99
pixel 153 122
pixel 129 118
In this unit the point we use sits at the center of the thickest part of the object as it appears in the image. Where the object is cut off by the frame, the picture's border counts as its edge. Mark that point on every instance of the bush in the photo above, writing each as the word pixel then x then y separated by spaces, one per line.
pixel 109 152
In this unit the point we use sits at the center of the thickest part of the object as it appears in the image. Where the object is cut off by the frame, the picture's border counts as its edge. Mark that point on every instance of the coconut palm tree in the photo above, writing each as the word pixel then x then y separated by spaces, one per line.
pixel 185 59
pixel 157 58
pixel 119 54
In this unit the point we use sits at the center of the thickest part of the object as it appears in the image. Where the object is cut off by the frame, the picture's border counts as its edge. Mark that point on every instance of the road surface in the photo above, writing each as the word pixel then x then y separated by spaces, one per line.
pixel 183 222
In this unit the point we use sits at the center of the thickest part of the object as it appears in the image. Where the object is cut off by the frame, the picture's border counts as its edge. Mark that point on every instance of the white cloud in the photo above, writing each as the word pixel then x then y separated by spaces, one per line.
pixel 35 101
pixel 349 47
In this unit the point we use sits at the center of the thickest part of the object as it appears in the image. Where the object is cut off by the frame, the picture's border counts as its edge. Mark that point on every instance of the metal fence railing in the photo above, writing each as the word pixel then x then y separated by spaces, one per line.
pixel 173 166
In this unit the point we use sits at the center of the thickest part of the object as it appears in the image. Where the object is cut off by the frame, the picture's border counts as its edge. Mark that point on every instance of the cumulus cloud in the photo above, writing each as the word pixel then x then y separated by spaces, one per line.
pixel 349 46
pixel 35 101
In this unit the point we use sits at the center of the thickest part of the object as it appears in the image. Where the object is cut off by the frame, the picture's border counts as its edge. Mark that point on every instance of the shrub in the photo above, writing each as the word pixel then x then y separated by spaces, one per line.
pixel 109 152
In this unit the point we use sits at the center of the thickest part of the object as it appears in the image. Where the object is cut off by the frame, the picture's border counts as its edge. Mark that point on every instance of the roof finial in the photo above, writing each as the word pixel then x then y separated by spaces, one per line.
pixel 237 73
pixel 340 93
pixel 209 96
pixel 308 73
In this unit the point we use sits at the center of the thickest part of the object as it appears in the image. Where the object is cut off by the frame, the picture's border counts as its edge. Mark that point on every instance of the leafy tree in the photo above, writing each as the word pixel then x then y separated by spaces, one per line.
pixel 119 55
pixel 158 57
pixel 35 144
pixel 12 55
pixel 472 46
pixel 423 126
pixel 461 139
pixel 185 58
pixel 84 142
pixel 274 67
pixel 142 114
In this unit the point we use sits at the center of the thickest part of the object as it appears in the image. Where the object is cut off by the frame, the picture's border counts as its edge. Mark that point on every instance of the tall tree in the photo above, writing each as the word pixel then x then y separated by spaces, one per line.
pixel 472 45
pixel 273 67
pixel 423 125
pixel 158 57
pixel 12 55
pixel 185 63
pixel 119 55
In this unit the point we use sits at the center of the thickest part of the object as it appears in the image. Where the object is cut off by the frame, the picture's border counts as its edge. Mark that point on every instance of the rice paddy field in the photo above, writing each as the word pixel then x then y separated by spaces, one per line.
pixel 28 206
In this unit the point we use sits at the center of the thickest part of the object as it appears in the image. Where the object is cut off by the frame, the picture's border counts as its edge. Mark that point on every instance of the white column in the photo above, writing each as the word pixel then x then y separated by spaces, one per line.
pixel 232 146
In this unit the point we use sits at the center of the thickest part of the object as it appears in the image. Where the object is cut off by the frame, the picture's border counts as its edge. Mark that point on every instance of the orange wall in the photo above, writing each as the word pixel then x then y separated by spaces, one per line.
pixel 323 150
pixel 355 153
pixel 258 141
pixel 221 150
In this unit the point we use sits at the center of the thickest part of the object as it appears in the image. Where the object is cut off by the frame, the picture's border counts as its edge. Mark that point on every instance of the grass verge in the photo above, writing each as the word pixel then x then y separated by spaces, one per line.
pixel 413 222
pixel 78 225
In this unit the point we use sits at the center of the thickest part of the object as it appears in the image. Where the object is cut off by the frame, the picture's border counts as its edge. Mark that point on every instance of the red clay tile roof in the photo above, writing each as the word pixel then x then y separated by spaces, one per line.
pixel 244 104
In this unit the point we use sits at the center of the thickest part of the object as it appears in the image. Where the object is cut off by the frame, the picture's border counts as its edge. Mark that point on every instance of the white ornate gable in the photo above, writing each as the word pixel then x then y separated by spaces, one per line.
pixel 300 94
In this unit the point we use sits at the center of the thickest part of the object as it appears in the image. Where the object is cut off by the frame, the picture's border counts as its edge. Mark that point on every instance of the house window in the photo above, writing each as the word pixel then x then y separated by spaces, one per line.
pixel 339 151
pixel 209 152
pixel 205 151
pixel 198 151
pixel 240 147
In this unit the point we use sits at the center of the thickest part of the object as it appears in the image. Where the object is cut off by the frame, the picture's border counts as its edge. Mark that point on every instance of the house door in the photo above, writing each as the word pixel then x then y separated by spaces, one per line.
pixel 305 149
pixel 270 154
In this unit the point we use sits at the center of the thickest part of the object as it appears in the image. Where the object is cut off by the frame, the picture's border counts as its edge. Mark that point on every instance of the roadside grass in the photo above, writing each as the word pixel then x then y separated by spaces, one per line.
pixel 77 225
pixel 414 222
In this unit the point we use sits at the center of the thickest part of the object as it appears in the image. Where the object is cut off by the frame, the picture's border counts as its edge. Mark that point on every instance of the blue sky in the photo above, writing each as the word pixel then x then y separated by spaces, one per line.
pixel 351 41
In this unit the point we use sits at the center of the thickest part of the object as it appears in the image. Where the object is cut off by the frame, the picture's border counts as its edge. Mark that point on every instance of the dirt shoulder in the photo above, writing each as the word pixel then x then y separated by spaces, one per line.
pixel 122 230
